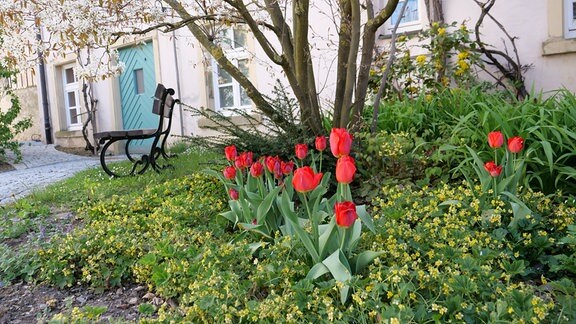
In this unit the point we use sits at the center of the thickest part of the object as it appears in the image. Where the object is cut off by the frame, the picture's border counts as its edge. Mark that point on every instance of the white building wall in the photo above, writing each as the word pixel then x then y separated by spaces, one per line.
pixel 538 28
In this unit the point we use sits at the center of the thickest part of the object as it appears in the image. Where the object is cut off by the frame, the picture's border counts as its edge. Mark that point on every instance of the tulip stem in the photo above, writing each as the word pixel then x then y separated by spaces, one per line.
pixel 313 223
pixel 343 240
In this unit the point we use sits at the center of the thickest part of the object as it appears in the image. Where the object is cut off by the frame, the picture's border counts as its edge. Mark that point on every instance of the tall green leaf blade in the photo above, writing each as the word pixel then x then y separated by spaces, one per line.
pixel 264 207
pixel 365 217
pixel 364 259
pixel 317 270
pixel 292 218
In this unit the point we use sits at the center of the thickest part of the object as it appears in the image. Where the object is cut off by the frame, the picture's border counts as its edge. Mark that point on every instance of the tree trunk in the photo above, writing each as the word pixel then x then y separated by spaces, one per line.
pixel 368 43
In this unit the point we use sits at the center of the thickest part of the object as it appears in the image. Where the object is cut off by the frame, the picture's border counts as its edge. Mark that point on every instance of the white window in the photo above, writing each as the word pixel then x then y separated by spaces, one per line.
pixel 411 20
pixel 569 18
pixel 227 92
pixel 71 98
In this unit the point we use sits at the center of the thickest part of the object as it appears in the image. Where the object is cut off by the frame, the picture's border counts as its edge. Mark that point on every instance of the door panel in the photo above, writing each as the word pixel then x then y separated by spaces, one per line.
pixel 137 85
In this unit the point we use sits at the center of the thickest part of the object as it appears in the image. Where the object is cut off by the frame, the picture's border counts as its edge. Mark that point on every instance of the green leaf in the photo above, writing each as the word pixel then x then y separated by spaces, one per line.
pixel 317 271
pixel 148 259
pixel 255 228
pixel 364 259
pixel 264 207
pixel 253 247
pixel 231 216
pixel 519 210
pixel 338 266
pixel 365 217
pixel 355 231
pixel 292 218
pixel 549 152
pixel 340 270
pixel 326 233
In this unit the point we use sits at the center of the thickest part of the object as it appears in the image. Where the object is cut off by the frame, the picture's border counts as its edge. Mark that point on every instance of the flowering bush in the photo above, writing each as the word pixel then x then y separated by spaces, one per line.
pixel 262 201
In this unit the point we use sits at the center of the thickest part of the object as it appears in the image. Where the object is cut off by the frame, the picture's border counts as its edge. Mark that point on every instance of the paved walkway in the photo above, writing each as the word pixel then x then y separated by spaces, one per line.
pixel 40 166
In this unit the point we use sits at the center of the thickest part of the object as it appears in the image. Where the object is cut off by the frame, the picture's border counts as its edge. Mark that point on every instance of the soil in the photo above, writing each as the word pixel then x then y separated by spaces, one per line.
pixel 25 303
pixel 22 302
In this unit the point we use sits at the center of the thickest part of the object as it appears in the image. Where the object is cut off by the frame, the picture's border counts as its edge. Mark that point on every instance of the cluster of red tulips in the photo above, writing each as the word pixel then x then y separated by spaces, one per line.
pixel 496 140
pixel 305 178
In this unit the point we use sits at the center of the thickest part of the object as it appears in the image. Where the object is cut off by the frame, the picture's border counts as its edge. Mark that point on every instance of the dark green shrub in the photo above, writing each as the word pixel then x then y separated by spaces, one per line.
pixel 253 132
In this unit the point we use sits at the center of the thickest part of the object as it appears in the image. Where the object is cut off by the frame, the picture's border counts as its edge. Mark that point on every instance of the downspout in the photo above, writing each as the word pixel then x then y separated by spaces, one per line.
pixel 44 93
pixel 177 80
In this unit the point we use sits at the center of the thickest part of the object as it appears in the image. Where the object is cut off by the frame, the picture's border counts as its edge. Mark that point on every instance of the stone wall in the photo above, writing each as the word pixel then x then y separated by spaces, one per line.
pixel 29 108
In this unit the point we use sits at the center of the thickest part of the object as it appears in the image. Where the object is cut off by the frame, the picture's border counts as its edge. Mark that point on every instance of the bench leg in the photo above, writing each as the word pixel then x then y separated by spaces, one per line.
pixel 118 170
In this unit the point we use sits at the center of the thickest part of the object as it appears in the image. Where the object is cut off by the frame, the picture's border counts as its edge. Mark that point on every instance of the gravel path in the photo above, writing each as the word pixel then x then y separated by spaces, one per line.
pixel 41 165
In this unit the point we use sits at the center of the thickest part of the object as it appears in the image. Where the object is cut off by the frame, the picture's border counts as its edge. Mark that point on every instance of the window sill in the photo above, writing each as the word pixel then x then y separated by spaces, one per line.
pixel 204 122
pixel 68 134
pixel 554 46
pixel 408 32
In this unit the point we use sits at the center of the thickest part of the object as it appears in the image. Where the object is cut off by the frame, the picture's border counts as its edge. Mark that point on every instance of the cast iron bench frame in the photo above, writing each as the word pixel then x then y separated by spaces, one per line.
pixel 163 106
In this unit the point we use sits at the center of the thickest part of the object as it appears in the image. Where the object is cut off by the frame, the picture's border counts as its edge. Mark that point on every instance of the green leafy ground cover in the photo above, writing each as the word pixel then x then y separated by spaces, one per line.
pixel 449 252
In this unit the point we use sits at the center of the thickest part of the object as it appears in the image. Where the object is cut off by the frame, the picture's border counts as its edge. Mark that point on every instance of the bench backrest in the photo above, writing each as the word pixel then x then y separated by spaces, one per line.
pixel 163 106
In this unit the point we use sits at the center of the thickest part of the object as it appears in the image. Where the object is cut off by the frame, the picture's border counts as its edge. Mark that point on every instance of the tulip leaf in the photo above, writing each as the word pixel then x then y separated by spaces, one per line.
pixel 340 270
pixel 519 210
pixel 294 222
pixel 364 259
pixel 236 208
pixel 264 207
pixel 256 228
pixel 246 211
pixel 288 187
pixel 365 217
pixel 253 197
pixel 317 271
pixel 251 183
pixel 215 174
pixel 344 291
pixel 231 216
pixel 326 232
pixel 255 246
pixel 355 230
pixel 338 266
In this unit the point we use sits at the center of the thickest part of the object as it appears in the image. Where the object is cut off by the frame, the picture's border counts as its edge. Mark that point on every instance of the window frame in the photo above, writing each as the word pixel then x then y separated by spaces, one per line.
pixel 410 26
pixel 234 54
pixel 67 88
pixel 569 21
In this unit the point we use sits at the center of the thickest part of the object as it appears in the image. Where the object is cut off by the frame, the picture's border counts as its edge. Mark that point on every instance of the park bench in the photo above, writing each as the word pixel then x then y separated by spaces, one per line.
pixel 163 106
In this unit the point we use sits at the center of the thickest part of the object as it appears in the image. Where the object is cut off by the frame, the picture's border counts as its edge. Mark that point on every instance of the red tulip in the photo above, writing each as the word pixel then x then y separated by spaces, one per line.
pixel 320 143
pixel 256 169
pixel 230 152
pixel 244 160
pixel 305 179
pixel 515 144
pixel 345 213
pixel 271 162
pixel 345 169
pixel 287 167
pixel 495 139
pixel 493 169
pixel 340 142
pixel 229 172
pixel 301 151
pixel 233 194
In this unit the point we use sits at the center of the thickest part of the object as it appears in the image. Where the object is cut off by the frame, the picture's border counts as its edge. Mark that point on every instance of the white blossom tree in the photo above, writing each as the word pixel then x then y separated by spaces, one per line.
pixel 280 27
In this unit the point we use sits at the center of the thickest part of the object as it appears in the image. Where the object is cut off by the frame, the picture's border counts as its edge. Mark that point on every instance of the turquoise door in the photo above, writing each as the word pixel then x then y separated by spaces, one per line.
pixel 137 86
